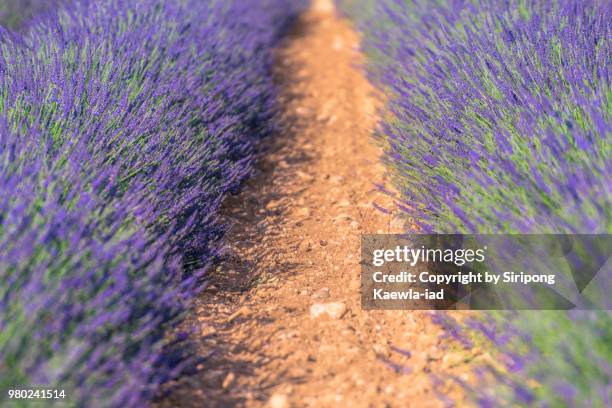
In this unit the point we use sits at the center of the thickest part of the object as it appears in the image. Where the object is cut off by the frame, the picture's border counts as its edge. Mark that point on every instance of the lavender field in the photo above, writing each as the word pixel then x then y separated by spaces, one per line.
pixel 123 125
pixel 185 186
pixel 499 121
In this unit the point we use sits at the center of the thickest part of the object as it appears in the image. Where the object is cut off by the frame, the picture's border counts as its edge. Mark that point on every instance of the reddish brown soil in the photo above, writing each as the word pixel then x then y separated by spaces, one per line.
pixel 295 241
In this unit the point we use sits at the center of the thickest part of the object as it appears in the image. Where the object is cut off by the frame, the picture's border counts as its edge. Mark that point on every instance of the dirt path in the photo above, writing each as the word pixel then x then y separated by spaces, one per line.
pixel 295 243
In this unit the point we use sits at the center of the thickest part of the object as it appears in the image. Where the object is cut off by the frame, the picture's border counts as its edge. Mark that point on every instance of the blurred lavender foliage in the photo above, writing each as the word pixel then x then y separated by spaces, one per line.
pixel 17 14
pixel 500 122
pixel 123 124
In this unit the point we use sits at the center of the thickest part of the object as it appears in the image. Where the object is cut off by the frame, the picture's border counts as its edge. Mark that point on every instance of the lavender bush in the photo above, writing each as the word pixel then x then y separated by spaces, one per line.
pixel 499 122
pixel 15 14
pixel 123 124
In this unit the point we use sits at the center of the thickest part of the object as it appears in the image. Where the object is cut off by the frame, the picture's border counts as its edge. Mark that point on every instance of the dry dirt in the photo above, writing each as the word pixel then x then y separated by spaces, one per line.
pixel 295 241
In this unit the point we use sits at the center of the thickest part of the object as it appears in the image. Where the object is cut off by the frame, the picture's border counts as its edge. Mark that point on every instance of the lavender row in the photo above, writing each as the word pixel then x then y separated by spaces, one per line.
pixel 499 121
pixel 123 124
pixel 500 112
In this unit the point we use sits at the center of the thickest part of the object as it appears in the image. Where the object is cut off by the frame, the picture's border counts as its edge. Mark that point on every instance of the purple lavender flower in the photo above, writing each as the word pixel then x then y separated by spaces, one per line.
pixel 499 121
pixel 123 124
